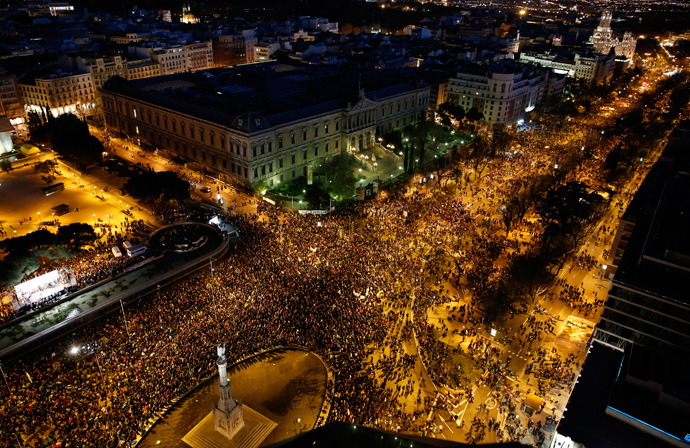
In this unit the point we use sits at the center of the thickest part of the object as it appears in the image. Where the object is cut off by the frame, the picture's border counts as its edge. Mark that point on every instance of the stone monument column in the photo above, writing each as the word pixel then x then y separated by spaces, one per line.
pixel 227 415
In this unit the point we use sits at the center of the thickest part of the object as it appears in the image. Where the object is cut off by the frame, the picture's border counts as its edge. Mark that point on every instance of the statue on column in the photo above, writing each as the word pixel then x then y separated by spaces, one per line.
pixel 227 415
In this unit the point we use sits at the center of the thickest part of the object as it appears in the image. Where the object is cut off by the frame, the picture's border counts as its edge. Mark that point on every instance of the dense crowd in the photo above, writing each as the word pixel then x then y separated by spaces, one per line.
pixel 359 288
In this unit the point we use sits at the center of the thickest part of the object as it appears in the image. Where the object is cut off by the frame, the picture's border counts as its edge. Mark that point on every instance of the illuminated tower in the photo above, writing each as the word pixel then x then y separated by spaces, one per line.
pixel 227 415
pixel 603 35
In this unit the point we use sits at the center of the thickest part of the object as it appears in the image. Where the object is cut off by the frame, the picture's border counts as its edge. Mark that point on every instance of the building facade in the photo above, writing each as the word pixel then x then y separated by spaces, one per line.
pixel 604 40
pixel 184 58
pixel 142 68
pixel 59 94
pixel 592 68
pixel 11 103
pixel 234 49
pixel 269 132
pixel 648 304
pixel 502 92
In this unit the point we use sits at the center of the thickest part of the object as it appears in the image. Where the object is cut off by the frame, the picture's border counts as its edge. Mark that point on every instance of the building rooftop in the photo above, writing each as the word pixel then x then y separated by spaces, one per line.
pixel 275 93
pixel 658 257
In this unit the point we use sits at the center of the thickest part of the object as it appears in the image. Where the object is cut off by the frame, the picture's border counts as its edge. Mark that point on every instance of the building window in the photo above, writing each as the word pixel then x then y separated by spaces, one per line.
pixel 293 159
pixel 262 148
pixel 292 138
pixel 134 112
pixel 174 126
pixel 201 135
pixel 182 129
pixel 280 162
pixel 280 142
pixel 326 128
pixel 316 130
pixel 256 172
pixel 326 148
pixel 212 138
pixel 213 160
pixel 263 170
pixel 191 131
pixel 304 135
pixel 304 155
pixel 336 144
pixel 316 151
pixel 194 152
pixel 222 142
pixel 337 125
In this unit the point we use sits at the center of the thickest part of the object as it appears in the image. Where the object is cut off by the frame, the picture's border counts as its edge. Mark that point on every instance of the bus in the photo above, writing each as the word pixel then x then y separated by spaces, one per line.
pixel 47 191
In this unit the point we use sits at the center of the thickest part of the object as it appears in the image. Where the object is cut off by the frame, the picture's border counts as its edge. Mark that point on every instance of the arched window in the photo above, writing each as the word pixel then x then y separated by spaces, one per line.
pixel 212 138
pixel 182 130
pixel 201 134
pixel 222 141
pixel 191 131
pixel 165 121
pixel 158 120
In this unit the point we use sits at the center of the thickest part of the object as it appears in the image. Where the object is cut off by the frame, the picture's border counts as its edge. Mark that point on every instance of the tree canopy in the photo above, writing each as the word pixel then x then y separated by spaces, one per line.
pixel 71 138
pixel 164 185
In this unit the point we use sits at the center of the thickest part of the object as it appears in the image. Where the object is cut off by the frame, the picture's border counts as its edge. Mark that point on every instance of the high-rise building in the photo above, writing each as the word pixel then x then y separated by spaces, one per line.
pixel 645 323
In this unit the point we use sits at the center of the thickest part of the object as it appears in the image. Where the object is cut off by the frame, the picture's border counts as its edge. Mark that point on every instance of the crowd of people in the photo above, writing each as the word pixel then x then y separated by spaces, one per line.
pixel 356 287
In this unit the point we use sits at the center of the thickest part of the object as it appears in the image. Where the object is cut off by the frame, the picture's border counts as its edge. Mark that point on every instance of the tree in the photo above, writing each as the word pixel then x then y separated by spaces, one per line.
pixel 339 178
pixel 164 185
pixel 450 112
pixel 71 138
pixel 564 211
pixel 473 115
pixel 76 234
pixel 316 197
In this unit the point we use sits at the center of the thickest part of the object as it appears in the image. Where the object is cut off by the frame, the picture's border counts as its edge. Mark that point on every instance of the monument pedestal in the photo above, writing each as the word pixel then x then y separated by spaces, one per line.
pixel 256 429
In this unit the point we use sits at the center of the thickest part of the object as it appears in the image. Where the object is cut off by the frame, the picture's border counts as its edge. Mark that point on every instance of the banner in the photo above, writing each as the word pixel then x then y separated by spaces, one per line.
pixel 310 174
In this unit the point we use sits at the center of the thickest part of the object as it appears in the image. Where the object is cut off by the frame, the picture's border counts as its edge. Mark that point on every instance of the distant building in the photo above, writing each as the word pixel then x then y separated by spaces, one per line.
pixel 60 93
pixel 166 16
pixel 183 58
pixel 264 51
pixel 593 68
pixel 604 40
pixel 101 70
pixel 262 123
pixel 11 103
pixel 130 38
pixel 234 49
pixel 504 92
pixel 187 16
pixel 142 68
